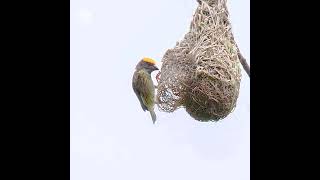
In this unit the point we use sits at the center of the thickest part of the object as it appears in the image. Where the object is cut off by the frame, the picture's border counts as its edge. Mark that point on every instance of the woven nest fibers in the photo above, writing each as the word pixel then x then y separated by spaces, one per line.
pixel 202 72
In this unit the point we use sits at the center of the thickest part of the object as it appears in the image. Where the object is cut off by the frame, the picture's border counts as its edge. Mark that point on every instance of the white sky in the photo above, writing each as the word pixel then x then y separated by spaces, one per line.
pixel 111 137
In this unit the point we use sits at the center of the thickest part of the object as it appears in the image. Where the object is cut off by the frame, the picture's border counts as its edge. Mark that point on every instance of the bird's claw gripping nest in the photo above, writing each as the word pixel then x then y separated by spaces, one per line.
pixel 157 77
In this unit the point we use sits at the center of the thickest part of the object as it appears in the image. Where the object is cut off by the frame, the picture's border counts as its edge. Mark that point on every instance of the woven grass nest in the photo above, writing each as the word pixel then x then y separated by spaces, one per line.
pixel 202 72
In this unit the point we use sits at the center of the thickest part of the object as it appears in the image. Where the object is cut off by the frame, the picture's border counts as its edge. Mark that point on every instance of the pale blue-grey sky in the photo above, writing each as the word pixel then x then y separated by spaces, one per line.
pixel 111 137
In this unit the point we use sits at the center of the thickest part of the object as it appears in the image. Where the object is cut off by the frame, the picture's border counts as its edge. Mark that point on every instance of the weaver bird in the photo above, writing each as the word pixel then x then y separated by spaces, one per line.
pixel 143 86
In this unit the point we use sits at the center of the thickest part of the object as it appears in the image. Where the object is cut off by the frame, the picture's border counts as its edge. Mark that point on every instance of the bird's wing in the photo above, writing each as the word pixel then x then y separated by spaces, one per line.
pixel 140 100
pixel 137 91
pixel 146 88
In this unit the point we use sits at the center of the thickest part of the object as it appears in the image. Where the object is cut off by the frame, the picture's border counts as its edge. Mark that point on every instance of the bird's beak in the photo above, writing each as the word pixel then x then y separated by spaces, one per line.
pixel 155 68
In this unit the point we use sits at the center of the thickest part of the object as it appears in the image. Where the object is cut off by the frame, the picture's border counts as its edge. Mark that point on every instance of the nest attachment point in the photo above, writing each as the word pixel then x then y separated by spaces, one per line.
pixel 202 72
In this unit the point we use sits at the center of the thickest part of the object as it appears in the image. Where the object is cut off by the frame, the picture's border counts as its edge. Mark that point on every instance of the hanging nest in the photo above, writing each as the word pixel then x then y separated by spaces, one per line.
pixel 202 72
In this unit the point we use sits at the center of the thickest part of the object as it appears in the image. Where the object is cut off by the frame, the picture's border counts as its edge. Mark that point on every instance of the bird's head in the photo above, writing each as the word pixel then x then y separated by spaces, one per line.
pixel 147 64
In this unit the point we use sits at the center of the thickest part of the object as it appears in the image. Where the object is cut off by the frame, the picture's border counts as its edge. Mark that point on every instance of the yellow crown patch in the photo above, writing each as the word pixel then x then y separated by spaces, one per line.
pixel 149 60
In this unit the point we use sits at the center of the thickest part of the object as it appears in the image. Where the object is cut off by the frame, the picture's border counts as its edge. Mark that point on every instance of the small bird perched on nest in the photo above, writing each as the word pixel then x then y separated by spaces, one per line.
pixel 143 86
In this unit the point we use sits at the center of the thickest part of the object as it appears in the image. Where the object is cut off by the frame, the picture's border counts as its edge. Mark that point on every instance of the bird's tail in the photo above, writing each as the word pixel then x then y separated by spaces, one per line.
pixel 153 116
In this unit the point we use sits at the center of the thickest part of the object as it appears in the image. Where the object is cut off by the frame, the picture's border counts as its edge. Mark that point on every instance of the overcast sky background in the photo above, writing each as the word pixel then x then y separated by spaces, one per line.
pixel 111 137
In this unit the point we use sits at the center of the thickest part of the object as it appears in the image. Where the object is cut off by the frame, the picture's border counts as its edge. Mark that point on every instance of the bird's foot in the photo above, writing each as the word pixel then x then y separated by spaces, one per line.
pixel 157 76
